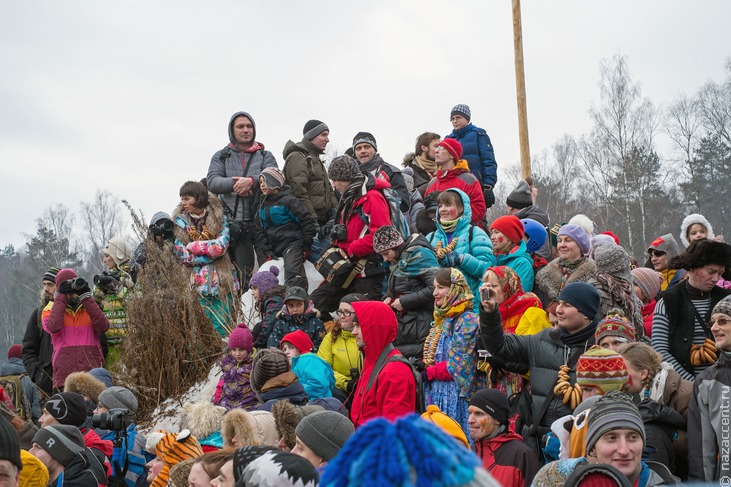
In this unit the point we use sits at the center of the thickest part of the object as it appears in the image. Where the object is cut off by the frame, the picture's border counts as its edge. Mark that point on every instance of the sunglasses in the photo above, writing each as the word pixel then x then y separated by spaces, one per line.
pixel 720 321
pixel 656 253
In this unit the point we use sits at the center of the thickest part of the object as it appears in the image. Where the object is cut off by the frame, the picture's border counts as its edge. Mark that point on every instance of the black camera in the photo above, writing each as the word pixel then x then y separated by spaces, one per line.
pixel 163 228
pixel 115 420
pixel 354 373
pixel 78 284
pixel 339 233
pixel 103 279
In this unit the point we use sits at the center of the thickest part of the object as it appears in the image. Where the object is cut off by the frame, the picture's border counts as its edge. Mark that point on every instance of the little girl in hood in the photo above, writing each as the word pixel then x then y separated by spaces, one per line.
pixel 234 389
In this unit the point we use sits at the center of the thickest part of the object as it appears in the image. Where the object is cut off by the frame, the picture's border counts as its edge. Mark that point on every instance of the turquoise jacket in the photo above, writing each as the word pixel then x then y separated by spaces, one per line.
pixel 519 260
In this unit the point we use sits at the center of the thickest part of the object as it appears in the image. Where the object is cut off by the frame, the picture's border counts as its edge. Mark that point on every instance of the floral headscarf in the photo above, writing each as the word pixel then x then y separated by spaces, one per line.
pixel 516 301
pixel 458 299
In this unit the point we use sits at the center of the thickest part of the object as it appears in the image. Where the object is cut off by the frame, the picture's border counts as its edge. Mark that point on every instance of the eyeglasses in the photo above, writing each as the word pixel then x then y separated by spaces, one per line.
pixel 720 321
pixel 656 253
pixel 343 312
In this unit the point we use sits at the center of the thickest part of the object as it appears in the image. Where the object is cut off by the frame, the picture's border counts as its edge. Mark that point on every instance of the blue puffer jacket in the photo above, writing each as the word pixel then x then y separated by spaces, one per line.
pixel 519 260
pixel 473 244
pixel 477 149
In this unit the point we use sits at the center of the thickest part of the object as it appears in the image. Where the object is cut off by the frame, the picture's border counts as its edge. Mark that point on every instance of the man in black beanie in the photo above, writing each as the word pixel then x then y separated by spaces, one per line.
pixel 305 173
pixel 61 449
pixel 10 463
pixel 371 162
pixel 503 453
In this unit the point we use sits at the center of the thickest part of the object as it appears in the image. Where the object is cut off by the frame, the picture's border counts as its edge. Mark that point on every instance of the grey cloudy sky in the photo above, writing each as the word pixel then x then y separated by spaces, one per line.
pixel 134 96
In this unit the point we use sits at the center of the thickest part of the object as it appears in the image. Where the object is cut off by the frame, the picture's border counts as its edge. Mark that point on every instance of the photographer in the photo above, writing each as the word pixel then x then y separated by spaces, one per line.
pixel 76 324
pixel 110 291
pixel 161 231
pixel 114 420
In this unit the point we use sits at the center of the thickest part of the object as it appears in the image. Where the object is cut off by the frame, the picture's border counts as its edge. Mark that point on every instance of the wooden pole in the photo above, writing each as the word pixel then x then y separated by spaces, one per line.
pixel 525 170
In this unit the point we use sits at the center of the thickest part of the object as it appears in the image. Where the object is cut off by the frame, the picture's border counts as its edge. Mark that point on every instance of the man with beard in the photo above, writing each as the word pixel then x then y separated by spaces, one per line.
pixel 420 164
pixel 371 162
pixel 37 348
pixel 76 324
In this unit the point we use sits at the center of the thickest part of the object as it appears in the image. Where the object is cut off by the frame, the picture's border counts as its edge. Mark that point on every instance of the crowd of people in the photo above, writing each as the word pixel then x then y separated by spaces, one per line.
pixel 439 348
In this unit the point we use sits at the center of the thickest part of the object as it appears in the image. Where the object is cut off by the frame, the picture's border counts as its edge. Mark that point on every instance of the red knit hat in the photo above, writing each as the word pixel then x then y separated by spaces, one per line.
pixel 601 368
pixel 510 226
pixel 616 239
pixel 453 147
pixel 64 275
pixel 241 337
pixel 300 340
pixel 16 351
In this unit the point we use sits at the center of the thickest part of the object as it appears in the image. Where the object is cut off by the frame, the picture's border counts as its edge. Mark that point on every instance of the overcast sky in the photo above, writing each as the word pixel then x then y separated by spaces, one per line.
pixel 134 96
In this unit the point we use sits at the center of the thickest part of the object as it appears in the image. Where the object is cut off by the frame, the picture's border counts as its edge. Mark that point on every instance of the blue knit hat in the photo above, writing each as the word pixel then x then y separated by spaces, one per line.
pixel 583 297
pixel 578 235
pixel 406 452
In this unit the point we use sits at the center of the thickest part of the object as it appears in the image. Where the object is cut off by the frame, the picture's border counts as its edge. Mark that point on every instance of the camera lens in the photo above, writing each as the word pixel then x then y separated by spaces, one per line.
pixel 78 284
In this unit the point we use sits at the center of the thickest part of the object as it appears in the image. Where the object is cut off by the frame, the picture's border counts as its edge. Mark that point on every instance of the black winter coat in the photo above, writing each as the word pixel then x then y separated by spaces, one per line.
pixel 281 222
pixel 37 353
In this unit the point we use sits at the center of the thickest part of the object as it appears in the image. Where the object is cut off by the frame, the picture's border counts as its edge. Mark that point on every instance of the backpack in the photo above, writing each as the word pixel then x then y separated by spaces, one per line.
pixel 11 385
pixel 398 220
pixel 419 402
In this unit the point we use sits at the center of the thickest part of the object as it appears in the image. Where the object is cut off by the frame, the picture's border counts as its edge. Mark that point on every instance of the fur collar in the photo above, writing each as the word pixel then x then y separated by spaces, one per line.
pixel 239 423
pixel 214 219
pixel 85 384
pixel 549 278
pixel 202 418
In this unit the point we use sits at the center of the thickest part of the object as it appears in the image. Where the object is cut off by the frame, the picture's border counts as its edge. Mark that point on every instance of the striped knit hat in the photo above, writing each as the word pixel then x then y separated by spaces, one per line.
pixel 273 177
pixel 615 324
pixel 50 274
pixel 601 368
pixel 648 280
pixel 172 449
pixel 615 410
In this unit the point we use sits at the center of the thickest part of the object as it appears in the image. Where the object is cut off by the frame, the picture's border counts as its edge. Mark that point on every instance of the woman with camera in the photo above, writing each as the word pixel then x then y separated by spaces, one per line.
pixel 76 325
pixel 110 291
pixel 450 351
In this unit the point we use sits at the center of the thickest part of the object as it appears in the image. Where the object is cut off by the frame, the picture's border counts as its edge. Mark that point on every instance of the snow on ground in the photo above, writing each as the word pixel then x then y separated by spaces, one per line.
pixel 168 414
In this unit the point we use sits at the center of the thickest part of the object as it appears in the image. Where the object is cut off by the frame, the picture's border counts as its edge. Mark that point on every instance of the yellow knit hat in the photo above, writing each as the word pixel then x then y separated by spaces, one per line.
pixel 34 473
pixel 449 425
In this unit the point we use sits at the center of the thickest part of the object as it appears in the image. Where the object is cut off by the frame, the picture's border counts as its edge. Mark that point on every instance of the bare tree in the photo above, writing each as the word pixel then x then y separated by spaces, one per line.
pixel 714 101
pixel 102 218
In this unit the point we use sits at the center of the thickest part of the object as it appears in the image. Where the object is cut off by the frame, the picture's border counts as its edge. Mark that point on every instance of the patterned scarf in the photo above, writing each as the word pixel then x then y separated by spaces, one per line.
pixel 567 268
pixel 355 190
pixel 516 301
pixel 449 225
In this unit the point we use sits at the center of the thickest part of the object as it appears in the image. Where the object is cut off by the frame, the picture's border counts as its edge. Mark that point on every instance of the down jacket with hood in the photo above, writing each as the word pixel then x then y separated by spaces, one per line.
pixel 309 322
pixel 342 354
pixel 412 282
pixel 460 177
pixel 477 149
pixel 306 175
pixel 393 392
pixel 380 169
pixel 472 242
pixel 222 169
pixel 282 221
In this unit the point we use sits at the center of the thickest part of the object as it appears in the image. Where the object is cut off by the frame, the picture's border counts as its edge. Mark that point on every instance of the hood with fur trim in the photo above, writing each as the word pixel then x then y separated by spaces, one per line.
pixel 202 418
pixel 287 416
pixel 691 220
pixel 85 384
pixel 239 424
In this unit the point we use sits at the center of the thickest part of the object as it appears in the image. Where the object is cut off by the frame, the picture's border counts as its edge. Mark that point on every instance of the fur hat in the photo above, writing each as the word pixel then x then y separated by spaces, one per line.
pixel 268 363
pixel 34 473
pixel 406 451
pixel 601 368
pixel 85 384
pixel 343 168
pixel 266 427
pixel 15 351
pixel 665 243
pixel 702 253
pixel 493 402
pixel 723 306
pixel 299 339
pixel 241 337
pixel 615 324
pixel 510 226
pixel 117 397
pixel 287 416
pixel 453 147
pixel 280 469
pixel 584 222
pixel 614 410
pixel 238 423
pixel 691 220
pixel 9 444
pixel 313 128
pixel 118 249
pixel 67 408
pixel 50 274
pixel 386 238
pixel 582 296
pixel 577 234
pixel 600 240
pixel 63 442
pixel 64 275
pixel 648 280
pixel 613 260
pixel 180 472
pixel 325 432
pixel 521 197
pixel 273 177
pixel 264 280
pixel 448 424
pixel 461 109
pixel 202 418
pixel 364 137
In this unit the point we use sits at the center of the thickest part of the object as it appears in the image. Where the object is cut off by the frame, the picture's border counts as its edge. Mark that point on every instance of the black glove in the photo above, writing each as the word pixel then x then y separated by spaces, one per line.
pixel 489 195
pixel 424 376
pixel 65 288
pixel 350 386
pixel 84 290
pixel 419 365
pixel 326 228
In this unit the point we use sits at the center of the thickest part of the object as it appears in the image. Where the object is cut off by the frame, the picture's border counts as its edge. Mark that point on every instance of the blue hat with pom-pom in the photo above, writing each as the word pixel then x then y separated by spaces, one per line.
pixel 265 280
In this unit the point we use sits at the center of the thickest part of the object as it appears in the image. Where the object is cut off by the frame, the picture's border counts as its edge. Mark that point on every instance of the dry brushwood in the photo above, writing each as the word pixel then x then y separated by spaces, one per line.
pixel 170 343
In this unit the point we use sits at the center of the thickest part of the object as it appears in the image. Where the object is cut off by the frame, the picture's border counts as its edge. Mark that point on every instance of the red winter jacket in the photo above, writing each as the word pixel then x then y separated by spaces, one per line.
pixel 75 336
pixel 461 178
pixel 508 459
pixel 375 209
pixel 393 393
pixel 105 448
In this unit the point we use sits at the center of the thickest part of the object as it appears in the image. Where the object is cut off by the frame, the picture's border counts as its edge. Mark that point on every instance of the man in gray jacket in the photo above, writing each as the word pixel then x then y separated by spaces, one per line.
pixel 234 174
